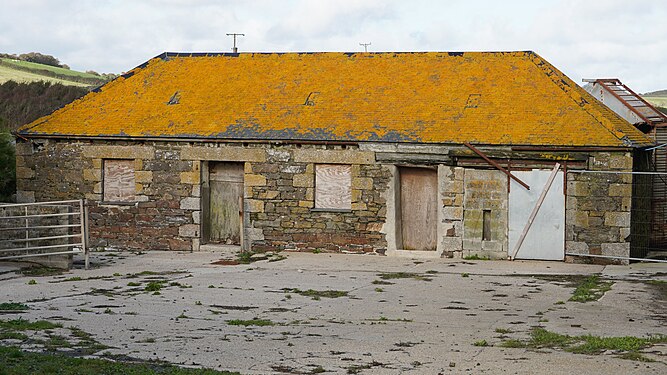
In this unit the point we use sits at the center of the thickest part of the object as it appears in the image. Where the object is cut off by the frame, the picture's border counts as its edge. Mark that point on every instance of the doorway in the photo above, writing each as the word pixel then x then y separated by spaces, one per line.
pixel 545 239
pixel 418 209
pixel 223 203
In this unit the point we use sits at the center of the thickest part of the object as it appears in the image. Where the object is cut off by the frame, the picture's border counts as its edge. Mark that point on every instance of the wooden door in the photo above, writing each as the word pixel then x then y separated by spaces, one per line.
pixel 225 203
pixel 419 212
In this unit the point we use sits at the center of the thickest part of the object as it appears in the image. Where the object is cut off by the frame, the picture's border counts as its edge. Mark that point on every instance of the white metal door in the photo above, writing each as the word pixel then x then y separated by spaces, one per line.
pixel 545 239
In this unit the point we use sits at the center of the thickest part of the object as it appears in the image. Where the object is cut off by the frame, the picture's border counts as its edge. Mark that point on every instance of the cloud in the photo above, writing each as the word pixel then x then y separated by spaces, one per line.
pixel 590 38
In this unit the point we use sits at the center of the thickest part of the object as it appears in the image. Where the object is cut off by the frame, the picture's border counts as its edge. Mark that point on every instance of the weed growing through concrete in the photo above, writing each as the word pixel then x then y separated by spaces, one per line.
pixel 182 286
pixel 132 283
pixel 25 325
pixel 379 290
pixel 75 278
pixel 13 306
pixel 465 274
pixel 40 271
pixel 15 361
pixel 247 257
pixel 512 343
pixel 403 275
pixel 317 294
pixel 381 282
pixel 591 289
pixel 627 347
pixel 476 257
pixel 481 343
pixel 154 286
pixel 251 322
pixel 32 282
pixel 318 370
pixel 503 330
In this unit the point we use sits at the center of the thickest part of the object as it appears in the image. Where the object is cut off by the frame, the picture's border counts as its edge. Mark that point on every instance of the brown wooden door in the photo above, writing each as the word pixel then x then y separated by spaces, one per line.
pixel 419 213
pixel 225 203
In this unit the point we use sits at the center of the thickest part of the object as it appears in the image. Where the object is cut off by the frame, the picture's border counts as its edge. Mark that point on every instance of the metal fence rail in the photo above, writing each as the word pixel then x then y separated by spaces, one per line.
pixel 42 229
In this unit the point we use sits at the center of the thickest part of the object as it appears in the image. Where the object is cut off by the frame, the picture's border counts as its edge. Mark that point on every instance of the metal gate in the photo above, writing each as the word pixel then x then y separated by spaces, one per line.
pixel 41 229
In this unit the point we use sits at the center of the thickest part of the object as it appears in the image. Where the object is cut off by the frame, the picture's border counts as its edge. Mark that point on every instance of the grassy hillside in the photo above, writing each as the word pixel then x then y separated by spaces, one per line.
pixel 23 71
pixel 9 74
pixel 657 98
pixel 656 93
pixel 660 102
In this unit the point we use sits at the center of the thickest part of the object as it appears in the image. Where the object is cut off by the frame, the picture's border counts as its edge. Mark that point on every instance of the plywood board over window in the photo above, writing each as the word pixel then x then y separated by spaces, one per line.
pixel 119 180
pixel 333 186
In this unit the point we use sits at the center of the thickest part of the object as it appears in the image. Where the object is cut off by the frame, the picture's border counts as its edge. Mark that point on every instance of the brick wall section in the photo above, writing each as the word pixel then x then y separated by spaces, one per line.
pixel 598 209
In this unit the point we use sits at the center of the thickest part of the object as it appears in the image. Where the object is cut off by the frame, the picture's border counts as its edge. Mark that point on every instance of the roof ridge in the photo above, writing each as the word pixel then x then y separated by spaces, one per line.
pixel 603 113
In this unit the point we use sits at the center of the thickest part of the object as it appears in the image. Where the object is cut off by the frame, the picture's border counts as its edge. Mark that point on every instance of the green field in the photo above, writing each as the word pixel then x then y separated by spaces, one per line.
pixel 660 101
pixel 9 74
pixel 54 69
pixel 23 71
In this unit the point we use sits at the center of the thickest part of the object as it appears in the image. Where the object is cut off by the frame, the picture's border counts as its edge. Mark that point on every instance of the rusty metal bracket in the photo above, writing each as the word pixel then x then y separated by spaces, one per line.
pixel 496 165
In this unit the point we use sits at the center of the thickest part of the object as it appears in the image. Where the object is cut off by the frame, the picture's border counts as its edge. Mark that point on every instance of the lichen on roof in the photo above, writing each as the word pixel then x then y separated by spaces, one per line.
pixel 514 98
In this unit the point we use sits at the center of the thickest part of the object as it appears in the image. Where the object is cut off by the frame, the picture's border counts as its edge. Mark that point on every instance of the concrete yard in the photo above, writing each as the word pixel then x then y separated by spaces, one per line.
pixel 427 322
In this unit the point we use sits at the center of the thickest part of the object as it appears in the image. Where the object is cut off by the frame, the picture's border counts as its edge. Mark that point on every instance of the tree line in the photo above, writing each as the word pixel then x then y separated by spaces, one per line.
pixel 36 57
pixel 22 103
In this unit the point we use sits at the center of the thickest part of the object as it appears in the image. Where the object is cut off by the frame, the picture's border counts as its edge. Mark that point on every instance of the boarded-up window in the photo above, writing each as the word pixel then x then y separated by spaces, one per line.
pixel 333 186
pixel 119 180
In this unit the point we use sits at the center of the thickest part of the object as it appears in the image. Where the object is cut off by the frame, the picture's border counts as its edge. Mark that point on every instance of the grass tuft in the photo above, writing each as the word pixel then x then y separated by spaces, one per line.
pixel 15 361
pixel 25 325
pixel 628 347
pixel 591 289
pixel 481 343
pixel 14 306
pixel 476 257
pixel 251 322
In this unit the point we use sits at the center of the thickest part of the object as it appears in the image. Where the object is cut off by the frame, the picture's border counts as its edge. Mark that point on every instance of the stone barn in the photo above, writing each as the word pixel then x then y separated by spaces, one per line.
pixel 419 154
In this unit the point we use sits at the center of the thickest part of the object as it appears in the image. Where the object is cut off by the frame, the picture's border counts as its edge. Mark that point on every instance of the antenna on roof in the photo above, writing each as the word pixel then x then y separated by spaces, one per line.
pixel 365 46
pixel 234 35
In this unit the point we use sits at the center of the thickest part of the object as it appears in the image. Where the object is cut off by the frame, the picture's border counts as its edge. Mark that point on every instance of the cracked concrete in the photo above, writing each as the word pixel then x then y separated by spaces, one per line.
pixel 408 326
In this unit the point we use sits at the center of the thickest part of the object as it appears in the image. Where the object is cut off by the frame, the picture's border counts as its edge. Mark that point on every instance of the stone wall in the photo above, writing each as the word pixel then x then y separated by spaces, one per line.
pixel 279 193
pixel 485 190
pixel 166 214
pixel 156 220
pixel 598 208
pixel 281 202
pixel 451 195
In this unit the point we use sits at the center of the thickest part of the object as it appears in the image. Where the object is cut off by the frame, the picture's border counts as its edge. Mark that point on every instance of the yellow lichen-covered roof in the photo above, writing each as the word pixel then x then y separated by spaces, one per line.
pixel 490 98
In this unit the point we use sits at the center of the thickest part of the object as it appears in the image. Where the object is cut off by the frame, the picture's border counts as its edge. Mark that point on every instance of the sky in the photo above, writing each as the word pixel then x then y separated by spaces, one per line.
pixel 625 39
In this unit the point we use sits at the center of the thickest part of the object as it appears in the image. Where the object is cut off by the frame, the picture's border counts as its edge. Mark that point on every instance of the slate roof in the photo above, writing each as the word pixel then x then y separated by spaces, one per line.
pixel 494 98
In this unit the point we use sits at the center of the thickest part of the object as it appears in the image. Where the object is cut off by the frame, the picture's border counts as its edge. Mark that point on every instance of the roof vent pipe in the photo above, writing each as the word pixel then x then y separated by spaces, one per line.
pixel 234 35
